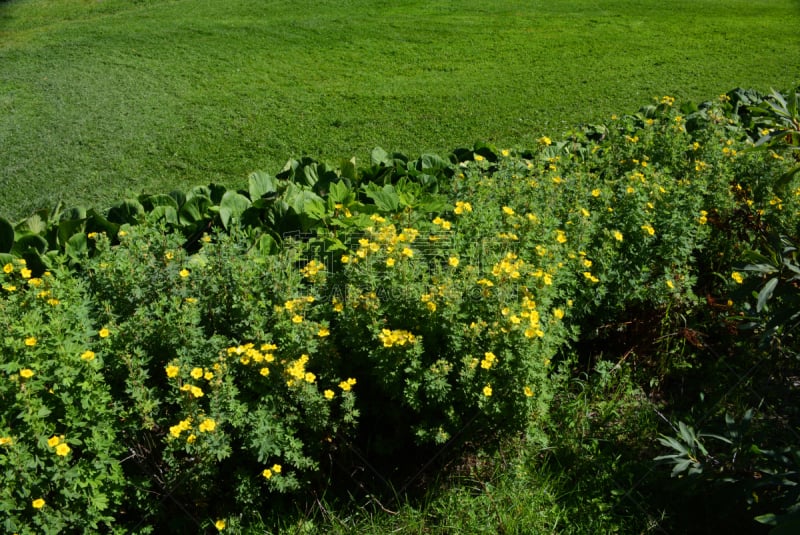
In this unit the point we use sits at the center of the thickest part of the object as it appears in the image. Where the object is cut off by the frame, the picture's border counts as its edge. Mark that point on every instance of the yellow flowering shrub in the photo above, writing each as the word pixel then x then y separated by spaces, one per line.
pixel 430 302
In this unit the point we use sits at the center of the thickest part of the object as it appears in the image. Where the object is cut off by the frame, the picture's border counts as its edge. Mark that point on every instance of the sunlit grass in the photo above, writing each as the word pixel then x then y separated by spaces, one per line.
pixel 104 99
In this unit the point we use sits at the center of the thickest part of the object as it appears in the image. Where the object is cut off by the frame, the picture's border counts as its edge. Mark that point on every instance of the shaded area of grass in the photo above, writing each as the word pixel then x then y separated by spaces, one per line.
pixel 104 99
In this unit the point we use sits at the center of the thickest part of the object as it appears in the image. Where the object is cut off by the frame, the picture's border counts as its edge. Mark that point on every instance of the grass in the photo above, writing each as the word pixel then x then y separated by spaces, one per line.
pixel 101 100
pixel 591 477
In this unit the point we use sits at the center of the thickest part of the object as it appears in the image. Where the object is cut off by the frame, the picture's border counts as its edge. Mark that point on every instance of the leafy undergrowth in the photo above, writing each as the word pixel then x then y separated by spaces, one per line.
pixel 502 341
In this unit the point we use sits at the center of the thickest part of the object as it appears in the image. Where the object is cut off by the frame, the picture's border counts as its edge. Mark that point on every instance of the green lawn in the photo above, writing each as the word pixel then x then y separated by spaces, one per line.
pixel 102 99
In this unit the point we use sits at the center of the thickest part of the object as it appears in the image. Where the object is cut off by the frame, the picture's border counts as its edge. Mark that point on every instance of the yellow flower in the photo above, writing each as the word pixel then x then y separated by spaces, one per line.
pixel 670 285
pixel 267 473
pixel 122 233
pixel 172 371
pixel 323 332
pixel 25 272
pixel 8 268
pixel 88 355
pixel 53 441
pixel 407 252
pixel 207 425
pixel 390 262
pixel 453 261
pixel 617 235
pixel 6 441
pixel 347 385
pixel 508 210
pixel 737 277
pixel 479 158
pixel 649 229
pixel 38 503
pixel 588 275
pixel 184 273
pixel 297 318
pixel 26 373
pixel 219 524
pixel 169 255
pixel 196 391
pixel 446 225
pixel 558 313
pixel 487 391
pixel 196 373
pixel 264 371
pixel 30 342
pixel 528 391
pixel 544 140
pixel 104 333
pixel 328 394
pixel 62 450
pixel 462 207
pixel 276 468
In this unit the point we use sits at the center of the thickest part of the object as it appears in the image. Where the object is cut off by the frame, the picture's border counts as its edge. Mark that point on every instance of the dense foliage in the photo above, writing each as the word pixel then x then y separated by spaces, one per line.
pixel 184 360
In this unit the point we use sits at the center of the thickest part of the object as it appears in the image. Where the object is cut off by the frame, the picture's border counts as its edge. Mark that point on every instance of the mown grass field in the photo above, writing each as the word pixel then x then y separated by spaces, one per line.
pixel 99 100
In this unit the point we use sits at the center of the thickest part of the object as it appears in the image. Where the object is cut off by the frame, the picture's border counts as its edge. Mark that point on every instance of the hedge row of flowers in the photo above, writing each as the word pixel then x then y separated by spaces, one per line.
pixel 155 388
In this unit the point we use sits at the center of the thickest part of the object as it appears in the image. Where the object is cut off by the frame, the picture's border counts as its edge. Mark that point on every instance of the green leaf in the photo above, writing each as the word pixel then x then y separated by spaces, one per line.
pixel 95 222
pixel 68 228
pixel 260 184
pixel 127 211
pixel 34 224
pixel 340 193
pixel 765 293
pixel 169 213
pixel 233 204
pixel 429 162
pixel 348 169
pixel 787 177
pixel 78 212
pixel 385 198
pixel 267 245
pixel 29 242
pixel 179 197
pixel 307 205
pixel 150 202
pixel 310 175
pixel 194 210
pixel 216 192
pixel 378 156
pixel 76 247
pixel 6 235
